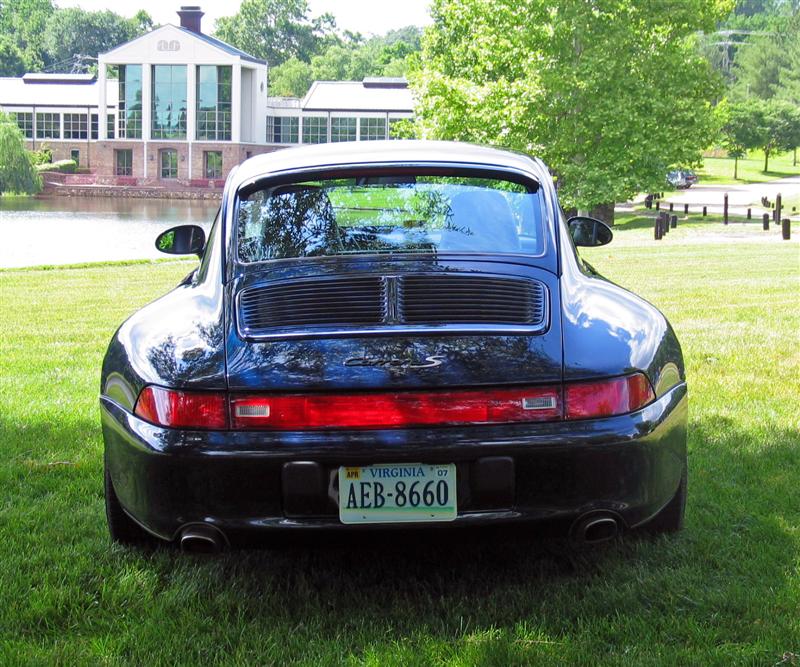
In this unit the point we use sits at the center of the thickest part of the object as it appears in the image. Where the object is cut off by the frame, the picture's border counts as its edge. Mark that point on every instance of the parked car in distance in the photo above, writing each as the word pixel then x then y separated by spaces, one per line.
pixel 387 335
pixel 682 178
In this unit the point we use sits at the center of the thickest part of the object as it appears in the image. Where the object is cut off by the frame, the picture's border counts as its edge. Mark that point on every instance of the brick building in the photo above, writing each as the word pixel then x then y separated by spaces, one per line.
pixel 177 108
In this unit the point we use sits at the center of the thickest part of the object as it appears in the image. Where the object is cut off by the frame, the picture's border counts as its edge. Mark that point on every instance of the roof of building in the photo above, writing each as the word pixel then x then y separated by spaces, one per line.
pixel 384 152
pixel 58 92
pixel 46 77
pixel 224 46
pixel 372 94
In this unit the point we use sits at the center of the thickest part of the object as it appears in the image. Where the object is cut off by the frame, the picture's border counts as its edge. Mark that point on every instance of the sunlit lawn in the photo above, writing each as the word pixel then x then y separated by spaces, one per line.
pixel 751 169
pixel 726 591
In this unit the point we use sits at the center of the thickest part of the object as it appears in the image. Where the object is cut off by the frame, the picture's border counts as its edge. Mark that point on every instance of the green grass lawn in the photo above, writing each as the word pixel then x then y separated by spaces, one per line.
pixel 751 169
pixel 726 591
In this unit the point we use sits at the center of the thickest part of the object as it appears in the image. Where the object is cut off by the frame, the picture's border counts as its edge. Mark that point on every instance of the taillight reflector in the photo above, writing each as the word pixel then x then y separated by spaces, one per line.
pixel 183 409
pixel 296 412
pixel 396 410
pixel 586 400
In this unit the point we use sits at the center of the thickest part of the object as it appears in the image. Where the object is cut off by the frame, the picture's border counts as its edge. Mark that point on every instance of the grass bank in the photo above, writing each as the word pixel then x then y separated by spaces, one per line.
pixel 724 592
pixel 751 169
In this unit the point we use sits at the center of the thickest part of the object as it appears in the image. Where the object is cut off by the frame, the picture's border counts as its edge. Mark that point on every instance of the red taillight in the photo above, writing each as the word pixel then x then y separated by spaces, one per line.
pixel 295 412
pixel 396 410
pixel 585 400
pixel 183 409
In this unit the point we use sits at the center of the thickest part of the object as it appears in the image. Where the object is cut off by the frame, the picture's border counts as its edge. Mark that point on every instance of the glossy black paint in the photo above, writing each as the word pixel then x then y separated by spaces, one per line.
pixel 189 339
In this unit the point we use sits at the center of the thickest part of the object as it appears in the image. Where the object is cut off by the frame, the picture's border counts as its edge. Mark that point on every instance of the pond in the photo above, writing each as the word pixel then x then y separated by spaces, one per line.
pixel 68 230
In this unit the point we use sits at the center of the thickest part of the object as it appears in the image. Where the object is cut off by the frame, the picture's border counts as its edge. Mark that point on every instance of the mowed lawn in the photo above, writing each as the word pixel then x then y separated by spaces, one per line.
pixel 726 591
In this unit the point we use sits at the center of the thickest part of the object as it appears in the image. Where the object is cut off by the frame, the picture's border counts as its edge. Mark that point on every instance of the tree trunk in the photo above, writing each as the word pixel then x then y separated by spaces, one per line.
pixel 794 161
pixel 604 212
pixel 766 161
pixel 735 168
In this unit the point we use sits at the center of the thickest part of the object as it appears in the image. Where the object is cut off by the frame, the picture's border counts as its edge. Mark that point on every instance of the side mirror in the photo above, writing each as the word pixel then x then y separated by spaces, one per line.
pixel 589 232
pixel 182 240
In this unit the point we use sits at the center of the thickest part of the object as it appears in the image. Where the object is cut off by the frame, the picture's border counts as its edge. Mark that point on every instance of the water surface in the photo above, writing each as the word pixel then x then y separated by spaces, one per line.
pixel 66 230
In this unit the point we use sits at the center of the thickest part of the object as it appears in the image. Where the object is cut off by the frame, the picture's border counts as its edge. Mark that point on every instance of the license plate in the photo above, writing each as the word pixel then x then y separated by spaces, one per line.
pixel 397 493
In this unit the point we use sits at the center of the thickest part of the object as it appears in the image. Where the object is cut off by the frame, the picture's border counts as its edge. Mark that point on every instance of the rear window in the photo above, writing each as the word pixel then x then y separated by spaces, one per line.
pixel 389 214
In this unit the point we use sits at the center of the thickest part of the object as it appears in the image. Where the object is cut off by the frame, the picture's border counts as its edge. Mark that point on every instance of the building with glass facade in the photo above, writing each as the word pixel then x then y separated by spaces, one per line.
pixel 178 108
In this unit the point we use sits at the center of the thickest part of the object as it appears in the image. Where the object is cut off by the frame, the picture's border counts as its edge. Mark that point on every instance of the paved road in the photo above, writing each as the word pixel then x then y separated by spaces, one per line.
pixel 740 197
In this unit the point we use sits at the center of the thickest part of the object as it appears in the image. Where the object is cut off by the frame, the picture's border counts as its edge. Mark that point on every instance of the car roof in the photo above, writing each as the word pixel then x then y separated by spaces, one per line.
pixel 383 152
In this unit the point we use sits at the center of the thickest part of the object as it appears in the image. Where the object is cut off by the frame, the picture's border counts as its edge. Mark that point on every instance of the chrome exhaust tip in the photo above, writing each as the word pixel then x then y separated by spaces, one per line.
pixel 202 538
pixel 595 527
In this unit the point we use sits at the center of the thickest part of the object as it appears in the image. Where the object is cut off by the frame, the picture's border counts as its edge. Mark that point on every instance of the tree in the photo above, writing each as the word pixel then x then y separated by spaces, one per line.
pixel 17 174
pixel 12 62
pixel 291 79
pixel 781 128
pixel 609 93
pixel 276 30
pixel 74 32
pixel 742 131
pixel 23 21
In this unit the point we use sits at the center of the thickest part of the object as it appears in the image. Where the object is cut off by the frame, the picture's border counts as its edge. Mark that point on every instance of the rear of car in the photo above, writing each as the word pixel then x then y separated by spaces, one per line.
pixel 393 338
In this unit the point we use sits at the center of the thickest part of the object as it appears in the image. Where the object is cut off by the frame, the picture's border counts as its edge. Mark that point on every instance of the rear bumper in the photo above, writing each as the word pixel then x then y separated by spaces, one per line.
pixel 166 479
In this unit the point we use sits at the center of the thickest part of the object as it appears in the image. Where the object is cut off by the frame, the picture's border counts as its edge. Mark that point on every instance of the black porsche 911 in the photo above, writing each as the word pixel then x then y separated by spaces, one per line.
pixel 386 335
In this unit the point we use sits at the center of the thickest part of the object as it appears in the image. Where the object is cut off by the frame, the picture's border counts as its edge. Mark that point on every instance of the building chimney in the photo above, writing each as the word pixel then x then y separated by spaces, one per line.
pixel 191 17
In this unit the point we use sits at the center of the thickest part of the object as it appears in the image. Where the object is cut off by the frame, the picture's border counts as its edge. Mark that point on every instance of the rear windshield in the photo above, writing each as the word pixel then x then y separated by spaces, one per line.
pixel 389 214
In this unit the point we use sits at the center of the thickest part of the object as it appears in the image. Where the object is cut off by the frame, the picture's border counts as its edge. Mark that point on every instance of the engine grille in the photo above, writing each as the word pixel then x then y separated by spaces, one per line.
pixel 388 302
pixel 469 300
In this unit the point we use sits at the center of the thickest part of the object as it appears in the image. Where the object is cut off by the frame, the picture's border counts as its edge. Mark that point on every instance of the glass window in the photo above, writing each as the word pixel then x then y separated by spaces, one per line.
pixel 25 122
pixel 76 126
pixel 94 125
pixel 391 214
pixel 110 126
pixel 130 102
pixel 75 155
pixel 212 164
pixel 214 102
pixel 315 130
pixel 343 129
pixel 283 129
pixel 123 162
pixel 169 163
pixel 48 126
pixel 169 101
pixel 372 129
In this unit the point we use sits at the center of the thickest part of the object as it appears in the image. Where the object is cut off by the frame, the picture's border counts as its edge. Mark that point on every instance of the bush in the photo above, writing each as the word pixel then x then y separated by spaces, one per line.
pixel 43 156
pixel 63 166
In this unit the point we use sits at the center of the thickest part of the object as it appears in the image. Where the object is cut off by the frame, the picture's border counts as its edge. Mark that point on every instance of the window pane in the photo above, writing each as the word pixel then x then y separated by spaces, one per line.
pixel 213 103
pixel 315 130
pixel 48 126
pixel 169 163
pixel 372 129
pixel 343 129
pixel 391 213
pixel 169 102
pixel 123 162
pixel 130 102
pixel 213 164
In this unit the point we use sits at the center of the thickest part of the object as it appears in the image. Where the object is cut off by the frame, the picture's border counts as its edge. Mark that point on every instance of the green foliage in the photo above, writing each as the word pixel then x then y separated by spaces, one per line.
pixel 16 171
pixel 74 32
pixel 348 60
pixel 609 94
pixel 63 166
pixel 291 79
pixel 276 30
pixel 12 62
pixel 42 156
pixel 23 22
